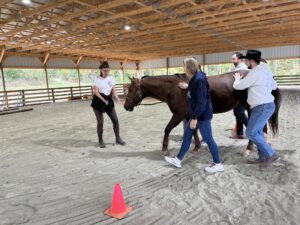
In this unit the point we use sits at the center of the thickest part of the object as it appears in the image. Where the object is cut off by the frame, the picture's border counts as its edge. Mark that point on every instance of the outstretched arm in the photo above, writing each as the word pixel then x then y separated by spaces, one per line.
pixel 115 94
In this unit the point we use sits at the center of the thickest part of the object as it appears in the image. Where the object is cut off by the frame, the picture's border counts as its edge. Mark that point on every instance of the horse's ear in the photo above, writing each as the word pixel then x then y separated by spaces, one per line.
pixel 130 78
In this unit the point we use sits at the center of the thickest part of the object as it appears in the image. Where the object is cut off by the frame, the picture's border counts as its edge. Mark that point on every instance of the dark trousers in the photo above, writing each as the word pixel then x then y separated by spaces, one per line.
pixel 241 119
pixel 114 119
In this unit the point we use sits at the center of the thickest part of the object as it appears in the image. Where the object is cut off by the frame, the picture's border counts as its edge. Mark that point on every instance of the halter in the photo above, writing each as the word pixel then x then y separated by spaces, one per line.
pixel 139 93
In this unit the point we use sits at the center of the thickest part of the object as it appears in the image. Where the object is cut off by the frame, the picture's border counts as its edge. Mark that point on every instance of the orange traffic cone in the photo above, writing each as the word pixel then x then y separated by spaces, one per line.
pixel 118 207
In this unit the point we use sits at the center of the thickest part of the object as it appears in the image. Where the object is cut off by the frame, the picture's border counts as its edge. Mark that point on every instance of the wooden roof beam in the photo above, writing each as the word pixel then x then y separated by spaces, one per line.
pixel 2 51
pixel 164 30
pixel 119 15
pixel 4 2
pixel 70 16
pixel 47 56
pixel 77 62
pixel 37 11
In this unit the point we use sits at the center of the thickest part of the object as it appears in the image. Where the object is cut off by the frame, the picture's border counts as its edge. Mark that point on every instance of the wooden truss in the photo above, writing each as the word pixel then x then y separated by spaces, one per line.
pixel 159 28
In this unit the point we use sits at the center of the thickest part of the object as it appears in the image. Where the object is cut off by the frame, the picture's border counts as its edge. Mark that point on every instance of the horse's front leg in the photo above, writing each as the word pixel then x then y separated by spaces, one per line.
pixel 175 120
pixel 196 136
pixel 248 149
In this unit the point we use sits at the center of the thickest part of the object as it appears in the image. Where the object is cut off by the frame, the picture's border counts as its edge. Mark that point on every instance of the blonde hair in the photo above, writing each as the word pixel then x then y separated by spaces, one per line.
pixel 191 66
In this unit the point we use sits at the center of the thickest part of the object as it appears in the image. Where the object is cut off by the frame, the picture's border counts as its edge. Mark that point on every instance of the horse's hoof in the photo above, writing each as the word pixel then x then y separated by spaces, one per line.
pixel 245 153
pixel 195 150
pixel 165 153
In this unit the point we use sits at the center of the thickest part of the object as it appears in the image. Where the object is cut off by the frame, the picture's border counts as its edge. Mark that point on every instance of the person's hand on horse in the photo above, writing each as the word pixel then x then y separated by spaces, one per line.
pixel 193 124
pixel 183 85
pixel 237 76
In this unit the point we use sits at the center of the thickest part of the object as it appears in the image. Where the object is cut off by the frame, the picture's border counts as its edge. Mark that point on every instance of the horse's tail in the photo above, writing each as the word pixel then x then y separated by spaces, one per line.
pixel 273 121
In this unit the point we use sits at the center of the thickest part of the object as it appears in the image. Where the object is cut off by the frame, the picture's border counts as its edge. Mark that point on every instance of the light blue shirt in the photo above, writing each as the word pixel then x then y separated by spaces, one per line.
pixel 241 66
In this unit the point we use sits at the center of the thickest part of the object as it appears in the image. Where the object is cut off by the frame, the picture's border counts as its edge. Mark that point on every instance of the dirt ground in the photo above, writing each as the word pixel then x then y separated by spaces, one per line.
pixel 53 172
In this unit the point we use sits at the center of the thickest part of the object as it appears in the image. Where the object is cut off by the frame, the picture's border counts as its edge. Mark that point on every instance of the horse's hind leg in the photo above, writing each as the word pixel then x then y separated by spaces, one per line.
pixel 197 141
pixel 175 120
pixel 250 146
pixel 265 131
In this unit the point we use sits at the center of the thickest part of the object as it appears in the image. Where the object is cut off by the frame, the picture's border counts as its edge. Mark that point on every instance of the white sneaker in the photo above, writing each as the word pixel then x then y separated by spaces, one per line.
pixel 215 167
pixel 173 161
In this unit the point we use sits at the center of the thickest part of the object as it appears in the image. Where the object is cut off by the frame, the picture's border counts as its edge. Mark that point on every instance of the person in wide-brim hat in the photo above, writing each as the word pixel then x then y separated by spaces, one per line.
pixel 253 54
pixel 259 83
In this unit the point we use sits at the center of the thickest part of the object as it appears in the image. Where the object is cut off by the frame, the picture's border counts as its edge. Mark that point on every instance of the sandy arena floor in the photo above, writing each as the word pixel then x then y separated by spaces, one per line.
pixel 52 171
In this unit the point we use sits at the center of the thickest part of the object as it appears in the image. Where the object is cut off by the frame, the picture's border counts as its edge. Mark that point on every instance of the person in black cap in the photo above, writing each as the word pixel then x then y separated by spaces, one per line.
pixel 259 83
pixel 104 89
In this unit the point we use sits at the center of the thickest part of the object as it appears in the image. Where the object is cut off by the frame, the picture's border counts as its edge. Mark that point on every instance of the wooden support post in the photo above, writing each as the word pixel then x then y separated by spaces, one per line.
pixel 3 82
pixel 137 66
pixel 122 69
pixel 45 60
pixel 79 83
pixel 168 64
pixel 53 96
pixel 78 72
pixel 203 64
pixel 47 81
pixel 23 98
pixel 123 74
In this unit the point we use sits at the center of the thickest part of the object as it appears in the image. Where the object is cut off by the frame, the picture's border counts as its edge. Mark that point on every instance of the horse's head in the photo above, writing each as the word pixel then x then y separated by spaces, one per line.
pixel 134 95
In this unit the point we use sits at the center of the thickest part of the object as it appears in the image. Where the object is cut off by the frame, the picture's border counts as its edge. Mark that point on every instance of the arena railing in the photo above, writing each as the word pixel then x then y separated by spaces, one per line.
pixel 288 80
pixel 26 97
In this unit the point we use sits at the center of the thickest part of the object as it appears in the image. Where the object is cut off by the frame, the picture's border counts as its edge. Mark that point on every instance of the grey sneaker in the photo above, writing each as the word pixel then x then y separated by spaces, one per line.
pixel 215 167
pixel 173 161
pixel 255 161
pixel 267 162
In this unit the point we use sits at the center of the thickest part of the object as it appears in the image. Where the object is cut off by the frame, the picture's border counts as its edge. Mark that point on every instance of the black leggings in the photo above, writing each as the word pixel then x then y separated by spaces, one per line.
pixel 113 117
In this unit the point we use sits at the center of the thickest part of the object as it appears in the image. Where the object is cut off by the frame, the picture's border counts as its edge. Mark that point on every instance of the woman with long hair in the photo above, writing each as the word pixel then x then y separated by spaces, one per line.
pixel 104 91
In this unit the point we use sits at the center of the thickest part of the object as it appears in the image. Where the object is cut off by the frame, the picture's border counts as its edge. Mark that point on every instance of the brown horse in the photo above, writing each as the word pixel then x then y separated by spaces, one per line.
pixel 165 88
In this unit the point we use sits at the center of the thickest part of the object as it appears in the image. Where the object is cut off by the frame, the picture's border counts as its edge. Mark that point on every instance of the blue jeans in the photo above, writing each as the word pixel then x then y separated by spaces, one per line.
pixel 206 133
pixel 185 124
pixel 258 118
pixel 241 119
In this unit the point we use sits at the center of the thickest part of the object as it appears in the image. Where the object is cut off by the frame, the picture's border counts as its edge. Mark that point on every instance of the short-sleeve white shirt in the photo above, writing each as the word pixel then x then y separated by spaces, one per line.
pixel 104 85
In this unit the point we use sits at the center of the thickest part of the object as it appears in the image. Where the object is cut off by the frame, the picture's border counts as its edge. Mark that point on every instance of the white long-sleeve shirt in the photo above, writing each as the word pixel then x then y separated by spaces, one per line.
pixel 260 84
